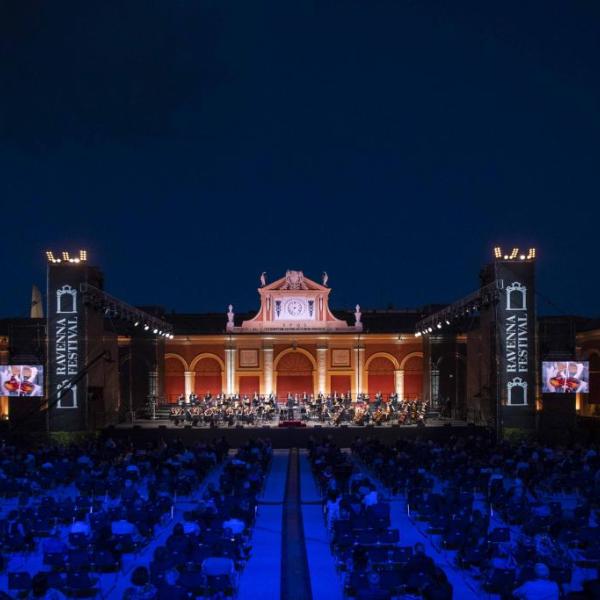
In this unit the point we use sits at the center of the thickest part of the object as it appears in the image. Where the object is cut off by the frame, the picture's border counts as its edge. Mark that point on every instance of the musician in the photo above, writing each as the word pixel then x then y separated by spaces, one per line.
pixel 193 399
pixel 290 407
pixel 181 400
pixel 348 399
pixel 207 396
pixel 394 401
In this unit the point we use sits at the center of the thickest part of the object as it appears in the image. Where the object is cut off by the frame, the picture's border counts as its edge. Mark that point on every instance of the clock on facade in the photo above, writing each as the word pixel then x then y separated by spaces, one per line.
pixel 295 308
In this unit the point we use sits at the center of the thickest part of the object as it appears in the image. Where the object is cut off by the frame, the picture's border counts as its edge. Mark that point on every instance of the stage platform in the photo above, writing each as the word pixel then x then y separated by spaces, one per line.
pixel 289 437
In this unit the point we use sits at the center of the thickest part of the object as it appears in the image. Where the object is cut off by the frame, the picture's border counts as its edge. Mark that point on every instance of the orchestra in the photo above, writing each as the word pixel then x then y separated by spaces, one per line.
pixel 331 409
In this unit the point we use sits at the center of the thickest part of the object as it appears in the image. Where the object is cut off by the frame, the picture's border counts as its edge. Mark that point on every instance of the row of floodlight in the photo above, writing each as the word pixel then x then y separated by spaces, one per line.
pixel 514 254
pixel 113 309
pixel 66 257
pixel 155 330
pixel 439 325
pixel 447 319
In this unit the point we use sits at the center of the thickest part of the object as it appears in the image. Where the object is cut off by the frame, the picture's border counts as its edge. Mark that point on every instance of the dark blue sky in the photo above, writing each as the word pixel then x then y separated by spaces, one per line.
pixel 190 145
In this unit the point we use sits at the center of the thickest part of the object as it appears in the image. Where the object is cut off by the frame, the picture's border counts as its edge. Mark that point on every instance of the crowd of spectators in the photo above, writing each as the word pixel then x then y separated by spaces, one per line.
pixel 206 552
pixel 368 552
pixel 521 519
pixel 77 510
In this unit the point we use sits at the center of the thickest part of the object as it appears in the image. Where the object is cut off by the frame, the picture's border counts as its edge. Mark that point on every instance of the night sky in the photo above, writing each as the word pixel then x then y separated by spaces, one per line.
pixel 191 145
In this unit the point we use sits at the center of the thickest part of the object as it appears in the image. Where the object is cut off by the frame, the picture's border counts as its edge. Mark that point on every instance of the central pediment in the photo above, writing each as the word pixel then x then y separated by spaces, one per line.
pixel 294 281
pixel 295 302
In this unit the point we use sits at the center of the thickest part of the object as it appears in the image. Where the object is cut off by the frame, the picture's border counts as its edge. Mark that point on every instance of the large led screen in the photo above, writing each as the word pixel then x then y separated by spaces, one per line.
pixel 565 377
pixel 21 380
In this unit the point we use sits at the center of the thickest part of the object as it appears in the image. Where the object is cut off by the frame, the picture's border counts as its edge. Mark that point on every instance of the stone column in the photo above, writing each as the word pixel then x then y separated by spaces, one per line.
pixel 190 377
pixel 152 392
pixel 359 364
pixel 322 370
pixel 268 369
pixel 435 387
pixel 399 383
pixel 230 370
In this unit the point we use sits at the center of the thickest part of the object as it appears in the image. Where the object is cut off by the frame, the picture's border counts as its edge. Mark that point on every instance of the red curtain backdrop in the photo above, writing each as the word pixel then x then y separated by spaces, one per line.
pixel 208 377
pixel 174 379
pixel 413 378
pixel 249 384
pixel 341 384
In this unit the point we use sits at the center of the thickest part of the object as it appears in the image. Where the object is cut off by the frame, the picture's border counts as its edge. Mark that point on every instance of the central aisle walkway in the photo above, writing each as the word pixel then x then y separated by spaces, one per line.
pixel 261 578
pixel 295 578
pixel 325 583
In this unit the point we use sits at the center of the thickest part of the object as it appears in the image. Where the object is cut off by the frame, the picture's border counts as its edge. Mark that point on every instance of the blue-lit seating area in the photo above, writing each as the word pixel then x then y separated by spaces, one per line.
pixel 368 550
pixel 512 519
pixel 461 518
pixel 79 521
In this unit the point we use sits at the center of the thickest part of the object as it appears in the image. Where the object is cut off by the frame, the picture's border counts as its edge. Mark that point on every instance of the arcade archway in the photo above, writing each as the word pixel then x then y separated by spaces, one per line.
pixel 295 374
pixel 413 376
pixel 208 375
pixel 175 368
pixel 380 376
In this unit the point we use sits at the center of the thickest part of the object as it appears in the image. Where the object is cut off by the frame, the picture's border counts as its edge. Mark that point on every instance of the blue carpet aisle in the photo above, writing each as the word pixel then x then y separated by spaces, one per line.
pixel 325 582
pixel 261 578
pixel 295 576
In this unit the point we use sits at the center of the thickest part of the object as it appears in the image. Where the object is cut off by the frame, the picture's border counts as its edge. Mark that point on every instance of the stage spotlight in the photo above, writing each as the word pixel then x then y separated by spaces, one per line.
pixel 439 325
pixel 522 257
pixel 429 329
pixel 418 334
pixel 155 331
pixel 146 327
pixel 447 322
pixel 136 323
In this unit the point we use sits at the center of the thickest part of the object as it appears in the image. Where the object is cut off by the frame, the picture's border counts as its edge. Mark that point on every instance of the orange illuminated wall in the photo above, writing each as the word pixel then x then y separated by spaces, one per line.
pixel 413 378
pixel 174 379
pixel 249 384
pixel 341 384
pixel 208 377
pixel 380 377
pixel 294 375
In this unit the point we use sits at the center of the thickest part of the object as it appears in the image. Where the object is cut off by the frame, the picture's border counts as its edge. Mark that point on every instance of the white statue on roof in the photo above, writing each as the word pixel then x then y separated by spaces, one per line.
pixel 230 315
pixel 357 314
pixel 263 279
pixel 325 278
